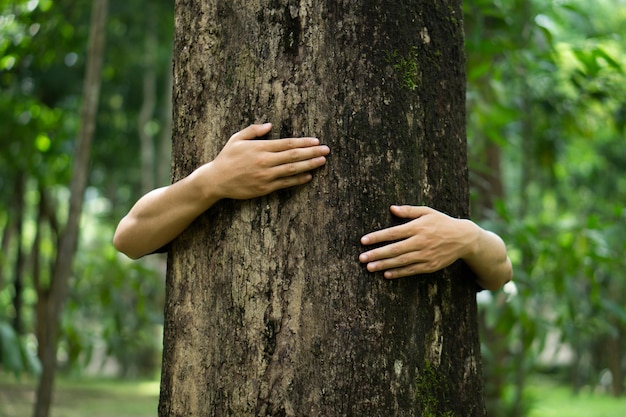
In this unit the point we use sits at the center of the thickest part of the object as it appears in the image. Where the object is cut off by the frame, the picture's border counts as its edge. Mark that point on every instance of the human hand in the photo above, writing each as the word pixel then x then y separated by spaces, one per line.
pixel 428 243
pixel 247 168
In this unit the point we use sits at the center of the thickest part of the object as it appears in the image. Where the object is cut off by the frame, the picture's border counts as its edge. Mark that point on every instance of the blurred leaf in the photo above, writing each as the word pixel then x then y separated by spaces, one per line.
pixel 599 52
pixel 614 310
pixel 14 354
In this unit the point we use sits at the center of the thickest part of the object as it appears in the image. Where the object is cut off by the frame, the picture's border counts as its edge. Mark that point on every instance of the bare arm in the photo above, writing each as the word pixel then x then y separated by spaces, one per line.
pixel 244 169
pixel 432 241
pixel 162 214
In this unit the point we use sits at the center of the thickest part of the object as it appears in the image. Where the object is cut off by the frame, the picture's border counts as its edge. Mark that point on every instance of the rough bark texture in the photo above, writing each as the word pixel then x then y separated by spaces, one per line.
pixel 268 311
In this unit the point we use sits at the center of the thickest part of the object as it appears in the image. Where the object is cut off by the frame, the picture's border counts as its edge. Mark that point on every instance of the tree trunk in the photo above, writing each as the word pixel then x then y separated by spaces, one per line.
pixel 8 234
pixel 268 311
pixel 614 353
pixel 146 113
pixel 164 154
pixel 20 257
pixel 68 241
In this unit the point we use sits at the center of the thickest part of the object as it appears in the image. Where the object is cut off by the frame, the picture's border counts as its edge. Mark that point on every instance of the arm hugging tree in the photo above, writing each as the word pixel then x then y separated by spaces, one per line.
pixel 268 310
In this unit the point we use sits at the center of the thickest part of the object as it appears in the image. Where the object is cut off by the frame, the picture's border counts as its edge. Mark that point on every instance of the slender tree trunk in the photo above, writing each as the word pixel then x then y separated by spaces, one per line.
pixel 8 234
pixel 20 258
pixel 148 105
pixel 487 180
pixel 42 267
pixel 268 311
pixel 165 143
pixel 614 358
pixel 527 174
pixel 69 237
pixel 37 270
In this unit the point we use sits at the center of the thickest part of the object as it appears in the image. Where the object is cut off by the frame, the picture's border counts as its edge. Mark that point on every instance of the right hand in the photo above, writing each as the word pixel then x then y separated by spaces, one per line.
pixel 247 168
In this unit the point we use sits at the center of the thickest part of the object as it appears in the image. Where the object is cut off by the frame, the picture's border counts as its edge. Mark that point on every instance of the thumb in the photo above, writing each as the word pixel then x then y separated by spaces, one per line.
pixel 252 132
pixel 410 212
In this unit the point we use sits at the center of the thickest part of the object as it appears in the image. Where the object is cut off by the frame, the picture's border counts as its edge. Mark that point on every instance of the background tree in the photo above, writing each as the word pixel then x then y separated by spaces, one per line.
pixel 550 99
pixel 268 310
pixel 68 238
pixel 43 47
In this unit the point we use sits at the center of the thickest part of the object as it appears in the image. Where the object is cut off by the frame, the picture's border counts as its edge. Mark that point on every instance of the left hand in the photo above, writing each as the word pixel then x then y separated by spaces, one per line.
pixel 428 243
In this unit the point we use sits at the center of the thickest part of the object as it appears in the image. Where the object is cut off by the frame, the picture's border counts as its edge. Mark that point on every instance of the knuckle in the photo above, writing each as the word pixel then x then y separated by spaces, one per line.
pixel 291 143
pixel 264 188
pixel 434 265
pixel 263 159
pixel 261 177
pixel 291 169
pixel 293 155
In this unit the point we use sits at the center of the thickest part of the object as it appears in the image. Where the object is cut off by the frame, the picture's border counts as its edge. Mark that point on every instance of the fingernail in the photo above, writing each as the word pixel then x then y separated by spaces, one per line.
pixel 363 257
pixel 365 240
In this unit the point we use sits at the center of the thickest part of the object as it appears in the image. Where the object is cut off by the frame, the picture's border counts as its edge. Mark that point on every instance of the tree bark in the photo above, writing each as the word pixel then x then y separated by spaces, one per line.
pixel 68 241
pixel 268 311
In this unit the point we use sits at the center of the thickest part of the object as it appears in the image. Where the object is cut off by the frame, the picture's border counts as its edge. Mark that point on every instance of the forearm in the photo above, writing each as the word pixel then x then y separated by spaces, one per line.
pixel 488 258
pixel 163 214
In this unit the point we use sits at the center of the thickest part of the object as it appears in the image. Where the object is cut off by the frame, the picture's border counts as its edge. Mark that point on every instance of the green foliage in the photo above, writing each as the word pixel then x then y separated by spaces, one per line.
pixel 118 301
pixel 42 57
pixel 548 91
pixel 15 356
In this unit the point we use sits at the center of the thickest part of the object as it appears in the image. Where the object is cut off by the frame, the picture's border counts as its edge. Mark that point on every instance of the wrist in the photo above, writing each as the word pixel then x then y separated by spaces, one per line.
pixel 472 238
pixel 204 185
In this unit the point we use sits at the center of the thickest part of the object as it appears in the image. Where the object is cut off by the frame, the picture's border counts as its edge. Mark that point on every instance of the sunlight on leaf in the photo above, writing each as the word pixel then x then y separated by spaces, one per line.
pixel 42 142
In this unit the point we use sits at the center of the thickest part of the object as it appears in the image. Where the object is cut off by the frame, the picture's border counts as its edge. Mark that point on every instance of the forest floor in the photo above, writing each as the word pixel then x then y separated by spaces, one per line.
pixel 131 398
pixel 82 397
pixel 550 399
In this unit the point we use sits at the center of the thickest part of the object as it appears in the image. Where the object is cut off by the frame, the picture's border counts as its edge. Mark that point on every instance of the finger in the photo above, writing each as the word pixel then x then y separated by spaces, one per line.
pixel 390 251
pixel 280 145
pixel 252 132
pixel 402 231
pixel 287 182
pixel 297 155
pixel 409 212
pixel 420 266
pixel 401 261
pixel 296 168
pixel 407 271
